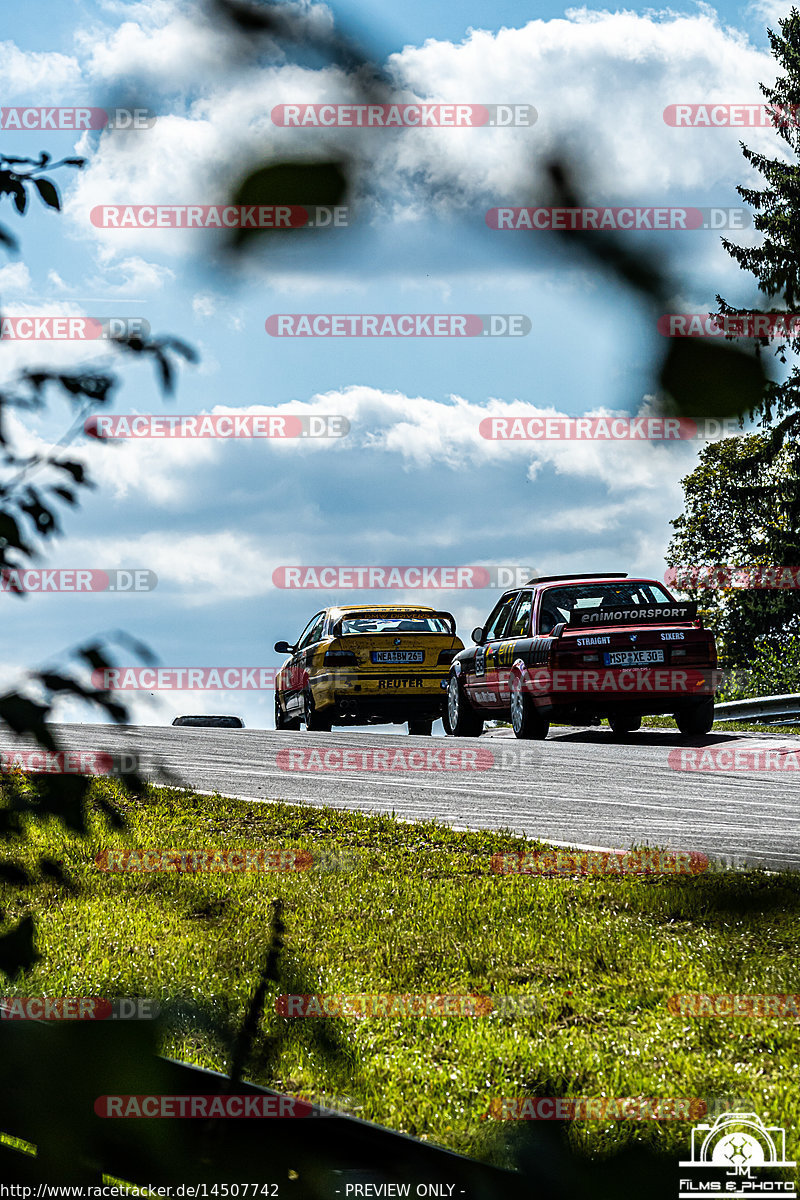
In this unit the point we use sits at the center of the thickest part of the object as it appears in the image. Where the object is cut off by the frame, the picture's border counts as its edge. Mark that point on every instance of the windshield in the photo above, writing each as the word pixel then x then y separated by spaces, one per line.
pixel 214 722
pixel 559 603
pixel 376 624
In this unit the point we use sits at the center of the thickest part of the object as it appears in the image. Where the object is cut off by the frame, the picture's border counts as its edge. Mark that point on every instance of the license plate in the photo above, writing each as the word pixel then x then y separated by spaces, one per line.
pixel 397 656
pixel 632 658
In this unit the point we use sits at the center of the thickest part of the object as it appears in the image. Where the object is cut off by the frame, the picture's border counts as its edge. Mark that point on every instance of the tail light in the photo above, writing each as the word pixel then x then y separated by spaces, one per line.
pixel 340 658
pixel 445 657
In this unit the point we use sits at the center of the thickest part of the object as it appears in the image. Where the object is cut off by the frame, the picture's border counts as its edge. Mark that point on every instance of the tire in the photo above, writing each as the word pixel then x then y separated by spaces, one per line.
pixel 283 722
pixel 526 720
pixel 421 728
pixel 462 720
pixel 697 719
pixel 315 722
pixel 621 725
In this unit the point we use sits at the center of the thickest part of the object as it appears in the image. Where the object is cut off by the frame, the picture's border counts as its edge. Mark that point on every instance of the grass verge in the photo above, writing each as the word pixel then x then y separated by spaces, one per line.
pixel 422 912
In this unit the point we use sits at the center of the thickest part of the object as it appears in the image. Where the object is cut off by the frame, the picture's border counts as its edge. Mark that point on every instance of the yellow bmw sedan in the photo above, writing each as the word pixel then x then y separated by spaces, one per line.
pixel 367 665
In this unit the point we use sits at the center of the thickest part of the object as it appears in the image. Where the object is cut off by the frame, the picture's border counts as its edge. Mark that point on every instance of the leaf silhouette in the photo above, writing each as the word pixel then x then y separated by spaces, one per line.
pixel 17 951
pixel 717 381
pixel 303 184
pixel 48 192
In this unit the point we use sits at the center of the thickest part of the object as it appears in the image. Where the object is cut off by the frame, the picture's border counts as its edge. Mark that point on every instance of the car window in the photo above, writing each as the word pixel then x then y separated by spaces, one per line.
pixel 498 619
pixel 559 602
pixel 378 624
pixel 211 722
pixel 521 617
pixel 312 632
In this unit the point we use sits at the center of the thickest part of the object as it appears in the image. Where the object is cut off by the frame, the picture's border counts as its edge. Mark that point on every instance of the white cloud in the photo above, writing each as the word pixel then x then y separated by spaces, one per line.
pixel 138 275
pixel 204 305
pixel 38 77
pixel 624 69
pixel 600 82
pixel 15 278
pixel 413 433
pixel 21 352
pixel 164 50
pixel 204 568
pixel 55 280
pixel 770 12
pixel 172 47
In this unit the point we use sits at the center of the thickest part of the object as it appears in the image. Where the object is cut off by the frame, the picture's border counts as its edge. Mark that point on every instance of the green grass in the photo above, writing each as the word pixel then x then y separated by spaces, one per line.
pixel 669 723
pixel 726 726
pixel 424 913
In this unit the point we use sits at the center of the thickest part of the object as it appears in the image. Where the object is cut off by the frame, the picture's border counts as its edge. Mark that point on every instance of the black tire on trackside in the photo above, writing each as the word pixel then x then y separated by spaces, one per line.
pixel 284 722
pixel 526 719
pixel 315 721
pixel 462 720
pixel 696 719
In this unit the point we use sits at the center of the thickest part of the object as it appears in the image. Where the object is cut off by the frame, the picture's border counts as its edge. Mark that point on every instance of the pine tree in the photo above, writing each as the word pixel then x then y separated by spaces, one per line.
pixel 765 470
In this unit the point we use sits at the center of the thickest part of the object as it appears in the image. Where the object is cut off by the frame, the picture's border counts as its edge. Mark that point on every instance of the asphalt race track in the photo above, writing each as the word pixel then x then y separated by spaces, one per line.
pixel 580 787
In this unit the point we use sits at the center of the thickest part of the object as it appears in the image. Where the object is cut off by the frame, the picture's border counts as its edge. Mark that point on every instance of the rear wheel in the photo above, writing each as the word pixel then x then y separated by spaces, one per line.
pixel 526 720
pixel 462 720
pixel 315 723
pixel 421 728
pixel 697 719
pixel 620 724
pixel 283 722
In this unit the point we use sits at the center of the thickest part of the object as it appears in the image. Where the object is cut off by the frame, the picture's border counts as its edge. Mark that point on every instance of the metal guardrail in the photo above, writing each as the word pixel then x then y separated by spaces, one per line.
pixel 768 708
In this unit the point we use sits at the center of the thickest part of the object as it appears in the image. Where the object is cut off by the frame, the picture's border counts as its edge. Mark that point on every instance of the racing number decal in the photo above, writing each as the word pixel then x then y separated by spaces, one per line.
pixel 480 660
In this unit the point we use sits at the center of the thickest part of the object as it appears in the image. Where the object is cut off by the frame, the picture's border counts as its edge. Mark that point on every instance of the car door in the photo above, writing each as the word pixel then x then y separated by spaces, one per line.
pixel 481 674
pixel 518 628
pixel 294 698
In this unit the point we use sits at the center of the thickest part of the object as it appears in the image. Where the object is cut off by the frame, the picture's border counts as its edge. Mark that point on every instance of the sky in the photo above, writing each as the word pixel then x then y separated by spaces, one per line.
pixel 412 482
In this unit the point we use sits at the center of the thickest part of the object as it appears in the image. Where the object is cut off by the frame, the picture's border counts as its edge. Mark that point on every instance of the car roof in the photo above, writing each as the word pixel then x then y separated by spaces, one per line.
pixel 381 608
pixel 207 717
pixel 576 580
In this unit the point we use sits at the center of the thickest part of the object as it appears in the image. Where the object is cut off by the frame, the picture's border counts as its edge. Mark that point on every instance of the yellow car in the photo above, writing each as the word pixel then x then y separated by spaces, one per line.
pixel 367 665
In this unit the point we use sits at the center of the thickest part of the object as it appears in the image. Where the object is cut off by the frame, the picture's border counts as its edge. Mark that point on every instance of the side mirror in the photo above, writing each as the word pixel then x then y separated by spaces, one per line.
pixel 283 648
pixel 477 635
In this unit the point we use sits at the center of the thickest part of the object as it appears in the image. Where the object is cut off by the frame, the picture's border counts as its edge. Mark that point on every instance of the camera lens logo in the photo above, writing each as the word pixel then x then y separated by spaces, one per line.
pixel 727 1153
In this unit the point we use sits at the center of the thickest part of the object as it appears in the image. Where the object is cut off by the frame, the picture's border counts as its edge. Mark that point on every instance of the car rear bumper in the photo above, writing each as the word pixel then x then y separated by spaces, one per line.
pixel 355 708
pixel 622 684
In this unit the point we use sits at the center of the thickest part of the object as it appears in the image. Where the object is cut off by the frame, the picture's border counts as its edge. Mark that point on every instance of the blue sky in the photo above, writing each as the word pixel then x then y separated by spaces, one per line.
pixel 412 483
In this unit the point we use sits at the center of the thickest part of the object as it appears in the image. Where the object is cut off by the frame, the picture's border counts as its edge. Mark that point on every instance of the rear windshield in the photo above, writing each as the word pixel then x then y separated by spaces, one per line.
pixel 367 625
pixel 559 603
pixel 211 722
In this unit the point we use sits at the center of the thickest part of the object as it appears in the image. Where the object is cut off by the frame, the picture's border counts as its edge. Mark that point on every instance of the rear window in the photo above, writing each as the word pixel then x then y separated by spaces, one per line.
pixel 211 722
pixel 368 625
pixel 558 603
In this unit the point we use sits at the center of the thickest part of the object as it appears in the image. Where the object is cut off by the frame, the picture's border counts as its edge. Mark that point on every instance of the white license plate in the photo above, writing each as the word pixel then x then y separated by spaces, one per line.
pixel 398 656
pixel 632 658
